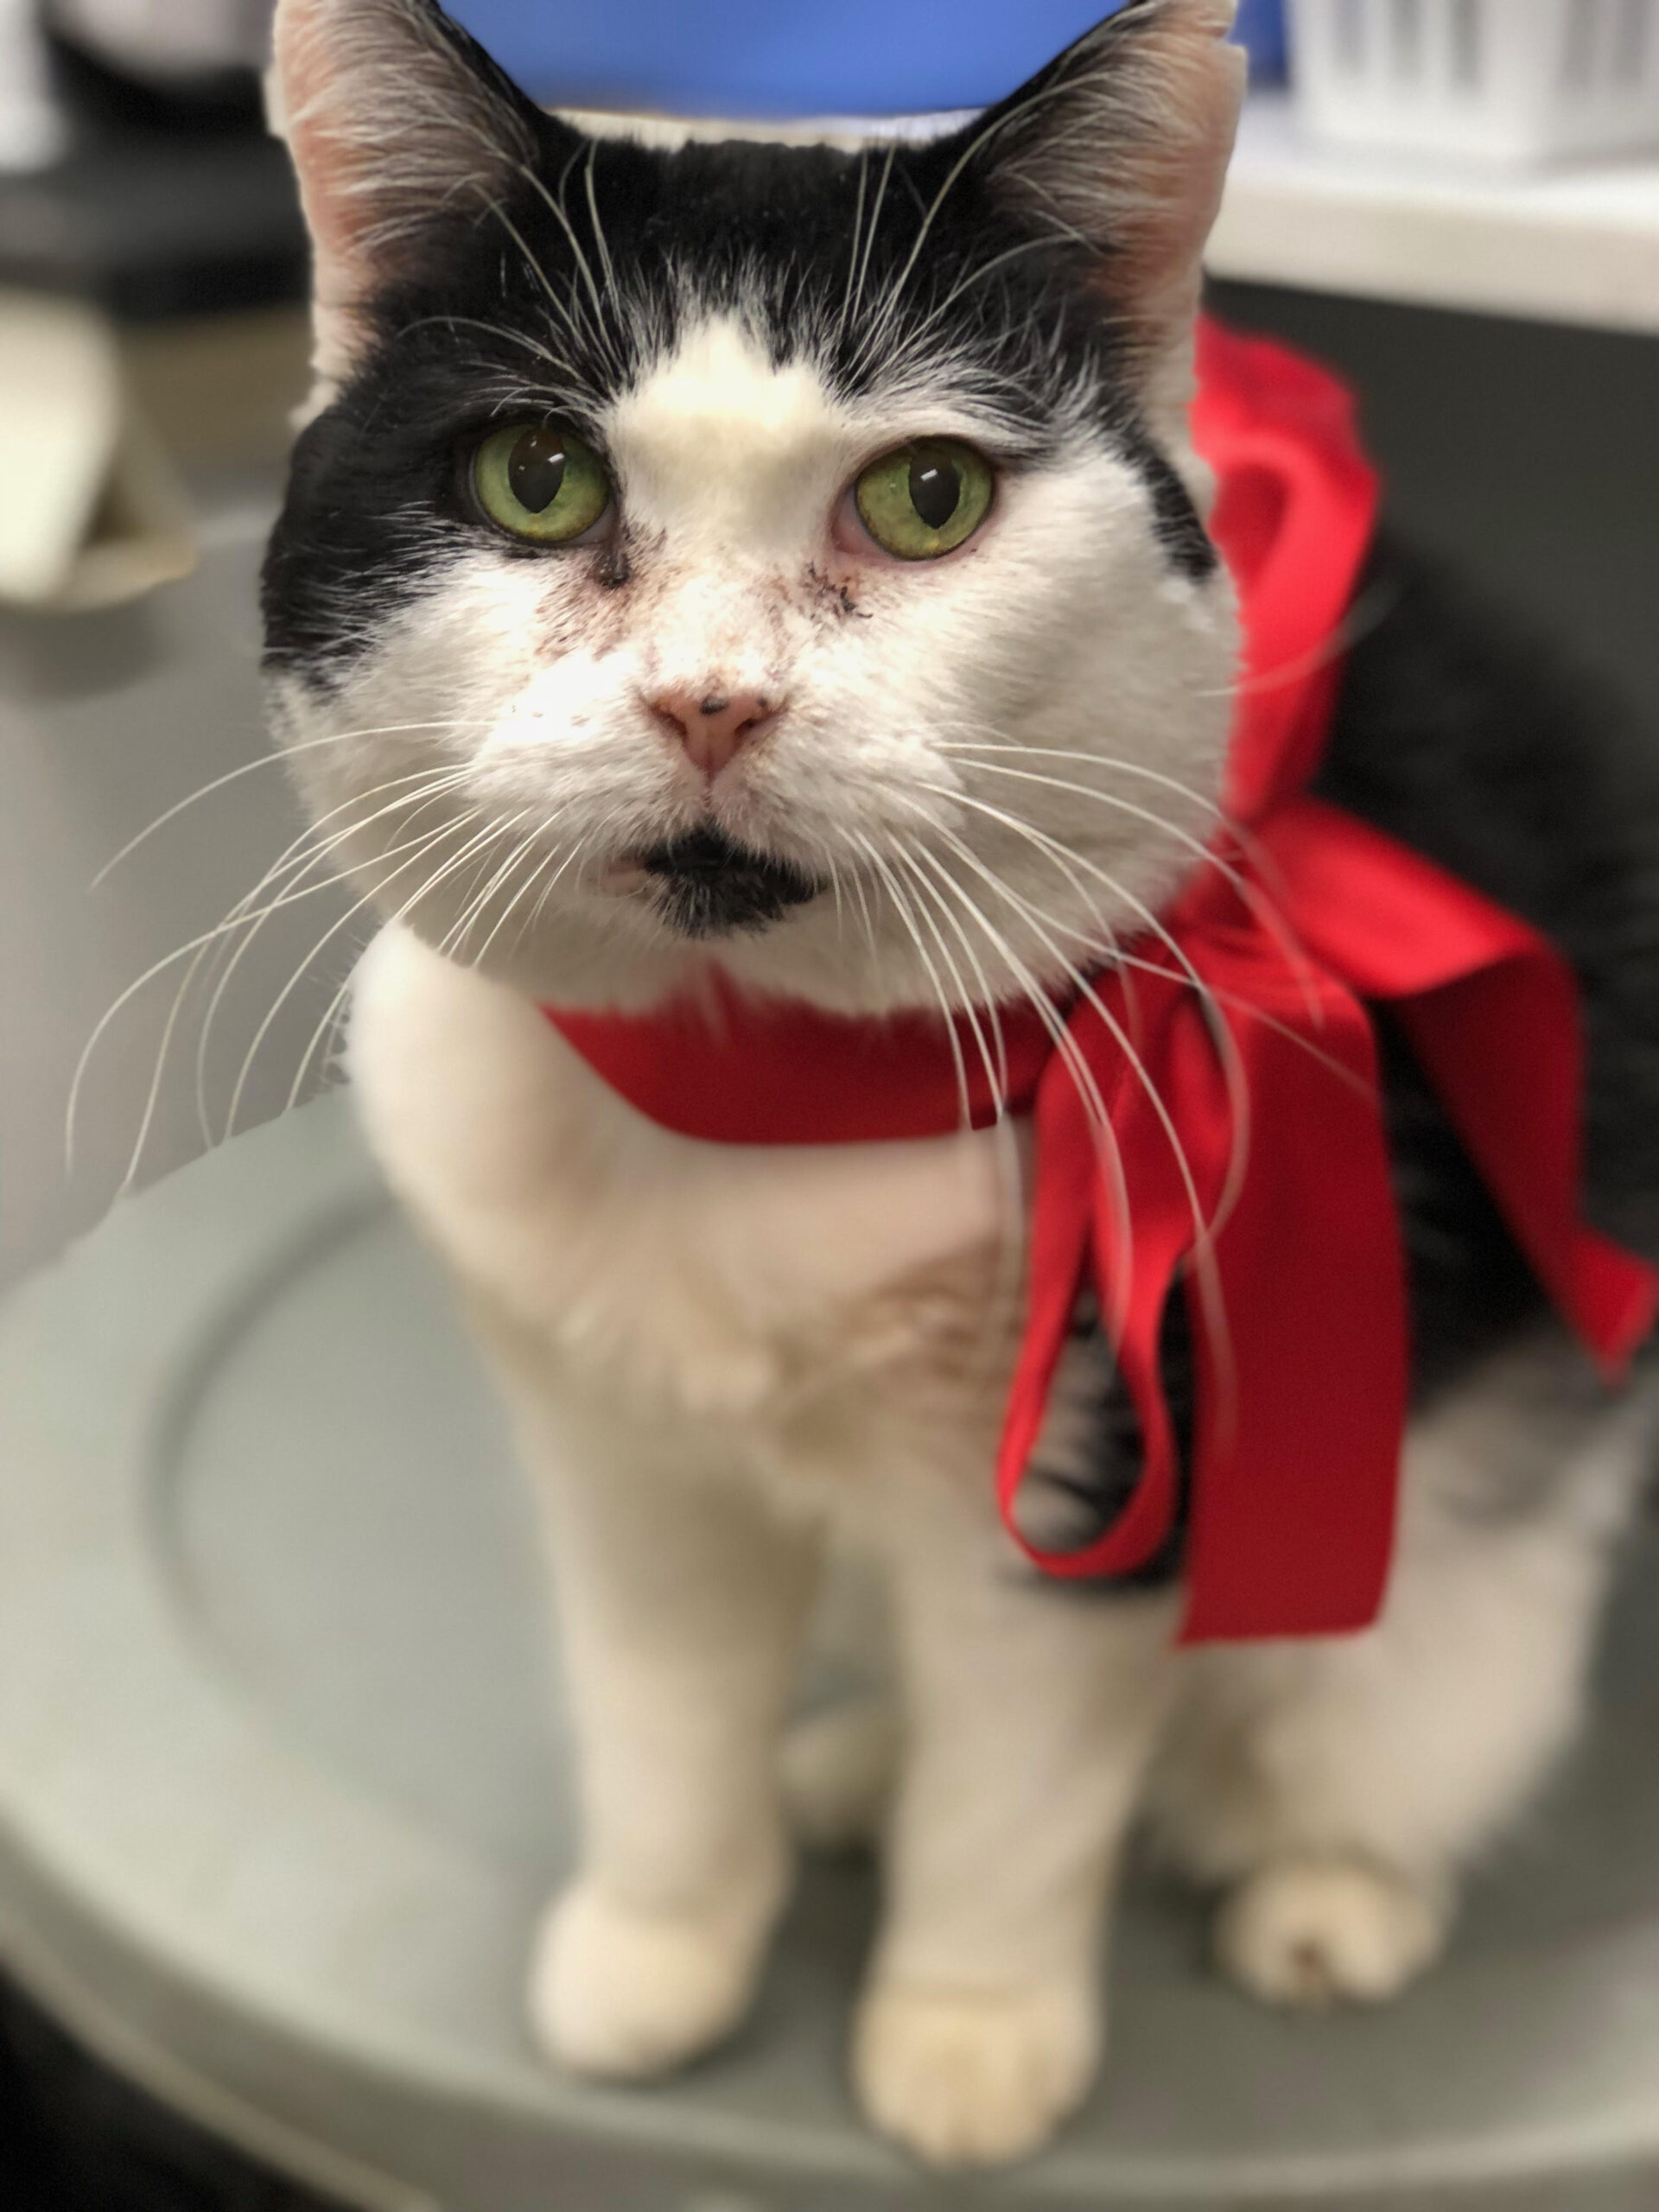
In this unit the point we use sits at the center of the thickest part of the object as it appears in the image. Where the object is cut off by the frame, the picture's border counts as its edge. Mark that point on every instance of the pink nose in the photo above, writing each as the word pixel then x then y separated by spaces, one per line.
pixel 712 726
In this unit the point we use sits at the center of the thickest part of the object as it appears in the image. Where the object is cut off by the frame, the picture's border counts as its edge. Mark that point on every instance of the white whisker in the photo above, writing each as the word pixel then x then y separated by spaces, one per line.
pixel 1103 1137
pixel 327 937
pixel 430 785
pixel 1265 910
pixel 503 877
pixel 1226 1047
pixel 901 908
pixel 997 1070
pixel 455 936
pixel 1002 1305
pixel 232 775
pixel 1085 987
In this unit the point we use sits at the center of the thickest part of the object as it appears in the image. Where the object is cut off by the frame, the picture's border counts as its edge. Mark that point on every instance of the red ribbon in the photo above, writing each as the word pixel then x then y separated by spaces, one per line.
pixel 1278 1225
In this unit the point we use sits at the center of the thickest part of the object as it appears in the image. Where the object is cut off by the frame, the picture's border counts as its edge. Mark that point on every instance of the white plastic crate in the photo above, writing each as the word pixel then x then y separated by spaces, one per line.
pixel 1512 82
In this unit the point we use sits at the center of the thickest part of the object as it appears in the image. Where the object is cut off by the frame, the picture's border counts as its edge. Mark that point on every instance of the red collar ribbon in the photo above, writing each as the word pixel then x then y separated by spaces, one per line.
pixel 1297 1290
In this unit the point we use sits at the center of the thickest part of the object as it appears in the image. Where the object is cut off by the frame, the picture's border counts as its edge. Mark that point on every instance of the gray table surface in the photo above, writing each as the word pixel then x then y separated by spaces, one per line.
pixel 284 1777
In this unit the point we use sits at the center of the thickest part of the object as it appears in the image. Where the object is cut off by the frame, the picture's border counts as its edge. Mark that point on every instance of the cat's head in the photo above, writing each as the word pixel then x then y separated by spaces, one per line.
pixel 714 546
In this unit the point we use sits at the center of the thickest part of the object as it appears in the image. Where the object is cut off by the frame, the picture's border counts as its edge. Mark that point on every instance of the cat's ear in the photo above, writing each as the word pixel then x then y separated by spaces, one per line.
pixel 1122 142
pixel 394 117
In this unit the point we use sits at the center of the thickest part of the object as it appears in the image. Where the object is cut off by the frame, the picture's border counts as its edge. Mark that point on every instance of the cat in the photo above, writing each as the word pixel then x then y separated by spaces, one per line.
pixel 612 647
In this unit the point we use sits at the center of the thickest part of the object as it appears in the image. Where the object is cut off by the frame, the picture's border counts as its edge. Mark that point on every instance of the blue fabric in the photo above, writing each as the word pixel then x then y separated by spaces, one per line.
pixel 785 57
pixel 1262 29
pixel 775 57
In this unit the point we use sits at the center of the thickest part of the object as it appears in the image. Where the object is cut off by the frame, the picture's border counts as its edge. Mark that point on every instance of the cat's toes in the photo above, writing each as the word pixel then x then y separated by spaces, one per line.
pixel 837 1771
pixel 627 1995
pixel 1315 1932
pixel 965 2079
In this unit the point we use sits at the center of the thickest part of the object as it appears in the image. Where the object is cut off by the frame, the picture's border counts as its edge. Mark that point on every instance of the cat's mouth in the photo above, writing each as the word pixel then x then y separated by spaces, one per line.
pixel 705 884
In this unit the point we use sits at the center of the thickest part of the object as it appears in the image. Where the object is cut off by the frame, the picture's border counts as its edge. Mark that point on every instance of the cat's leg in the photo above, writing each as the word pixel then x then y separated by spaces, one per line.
pixel 1338 1789
pixel 838 1770
pixel 1030 1712
pixel 681 1600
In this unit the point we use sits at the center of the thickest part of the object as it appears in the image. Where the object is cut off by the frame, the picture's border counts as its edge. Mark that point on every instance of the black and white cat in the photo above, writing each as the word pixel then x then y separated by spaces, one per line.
pixel 609 646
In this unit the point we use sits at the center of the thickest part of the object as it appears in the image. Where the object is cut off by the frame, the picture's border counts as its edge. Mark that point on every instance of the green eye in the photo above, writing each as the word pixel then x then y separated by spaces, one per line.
pixel 540 481
pixel 925 499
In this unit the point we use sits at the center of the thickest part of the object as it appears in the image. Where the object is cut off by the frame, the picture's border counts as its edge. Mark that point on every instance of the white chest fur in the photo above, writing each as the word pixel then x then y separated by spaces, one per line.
pixel 698 1273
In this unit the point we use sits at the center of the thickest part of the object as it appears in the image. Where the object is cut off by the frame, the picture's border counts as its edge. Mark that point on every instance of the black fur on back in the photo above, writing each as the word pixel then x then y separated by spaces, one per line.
pixel 1459 733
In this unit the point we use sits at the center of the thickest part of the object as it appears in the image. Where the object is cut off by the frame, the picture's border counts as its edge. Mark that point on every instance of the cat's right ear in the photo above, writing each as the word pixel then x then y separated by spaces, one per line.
pixel 394 117
pixel 1121 145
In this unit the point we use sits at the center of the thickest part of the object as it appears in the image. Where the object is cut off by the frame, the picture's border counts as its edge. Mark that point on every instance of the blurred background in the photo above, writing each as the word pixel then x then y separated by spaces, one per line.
pixel 1455 201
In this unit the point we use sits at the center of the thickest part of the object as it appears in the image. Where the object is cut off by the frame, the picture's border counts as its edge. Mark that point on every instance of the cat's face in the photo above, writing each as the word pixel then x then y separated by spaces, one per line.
pixel 781 555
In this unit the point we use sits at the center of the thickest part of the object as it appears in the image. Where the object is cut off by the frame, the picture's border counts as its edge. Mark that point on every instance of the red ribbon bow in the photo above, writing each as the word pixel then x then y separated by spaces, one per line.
pixel 1279 1224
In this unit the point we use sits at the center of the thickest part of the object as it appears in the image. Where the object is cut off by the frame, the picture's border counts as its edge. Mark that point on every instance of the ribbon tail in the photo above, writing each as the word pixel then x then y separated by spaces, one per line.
pixel 1301 1351
pixel 1054 1268
pixel 1133 1243
pixel 1492 1009
pixel 1297 1300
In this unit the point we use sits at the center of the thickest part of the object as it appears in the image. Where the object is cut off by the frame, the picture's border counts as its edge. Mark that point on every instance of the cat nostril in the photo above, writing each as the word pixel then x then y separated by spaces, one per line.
pixel 712 727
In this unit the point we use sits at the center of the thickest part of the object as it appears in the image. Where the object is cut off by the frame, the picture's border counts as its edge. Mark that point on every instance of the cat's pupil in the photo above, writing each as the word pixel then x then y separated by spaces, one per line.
pixel 935 488
pixel 536 469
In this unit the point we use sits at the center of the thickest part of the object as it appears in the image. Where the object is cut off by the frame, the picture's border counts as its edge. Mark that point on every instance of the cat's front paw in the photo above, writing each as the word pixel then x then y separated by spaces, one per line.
pixel 1313 1932
pixel 966 2078
pixel 626 1995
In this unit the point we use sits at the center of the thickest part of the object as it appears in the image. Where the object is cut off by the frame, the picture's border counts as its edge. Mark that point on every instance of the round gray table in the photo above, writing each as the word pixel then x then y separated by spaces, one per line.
pixel 284 1779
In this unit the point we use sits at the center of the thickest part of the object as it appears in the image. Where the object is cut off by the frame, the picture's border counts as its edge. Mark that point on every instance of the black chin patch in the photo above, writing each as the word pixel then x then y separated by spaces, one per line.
pixel 710 887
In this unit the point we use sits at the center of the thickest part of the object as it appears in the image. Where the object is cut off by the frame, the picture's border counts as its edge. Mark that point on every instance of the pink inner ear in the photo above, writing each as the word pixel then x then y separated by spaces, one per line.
pixel 390 120
pixel 327 163
pixel 1212 91
pixel 1184 166
pixel 1130 146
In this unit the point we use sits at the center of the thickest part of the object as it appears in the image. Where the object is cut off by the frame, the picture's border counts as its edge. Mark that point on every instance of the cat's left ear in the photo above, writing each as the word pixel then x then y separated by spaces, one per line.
pixel 395 119
pixel 1122 142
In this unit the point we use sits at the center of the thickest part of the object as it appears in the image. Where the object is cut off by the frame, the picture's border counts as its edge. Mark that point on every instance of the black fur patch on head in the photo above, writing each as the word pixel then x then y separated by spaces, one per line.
pixel 903 266
pixel 710 886
pixel 1174 518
